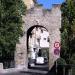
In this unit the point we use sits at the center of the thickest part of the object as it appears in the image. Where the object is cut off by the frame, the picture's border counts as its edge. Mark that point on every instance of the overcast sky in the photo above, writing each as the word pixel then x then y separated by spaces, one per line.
pixel 48 3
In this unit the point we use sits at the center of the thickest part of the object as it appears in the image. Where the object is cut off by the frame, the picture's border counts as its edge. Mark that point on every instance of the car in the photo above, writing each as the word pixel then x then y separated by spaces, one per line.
pixel 39 60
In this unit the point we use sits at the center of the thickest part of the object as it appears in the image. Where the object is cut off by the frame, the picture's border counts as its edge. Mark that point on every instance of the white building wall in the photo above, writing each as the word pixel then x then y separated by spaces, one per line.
pixel 44 40
pixel 37 34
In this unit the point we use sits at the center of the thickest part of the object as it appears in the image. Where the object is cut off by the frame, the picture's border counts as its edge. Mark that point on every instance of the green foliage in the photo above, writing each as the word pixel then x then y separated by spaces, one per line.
pixel 61 61
pixel 45 53
pixel 68 30
pixel 10 25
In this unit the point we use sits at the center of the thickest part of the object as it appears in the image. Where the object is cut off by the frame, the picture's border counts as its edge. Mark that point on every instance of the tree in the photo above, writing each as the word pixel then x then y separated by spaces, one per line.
pixel 68 34
pixel 10 26
pixel 68 30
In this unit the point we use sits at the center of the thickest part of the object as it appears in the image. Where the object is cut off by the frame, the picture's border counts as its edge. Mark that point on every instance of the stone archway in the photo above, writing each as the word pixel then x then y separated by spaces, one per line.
pixel 38 46
pixel 48 19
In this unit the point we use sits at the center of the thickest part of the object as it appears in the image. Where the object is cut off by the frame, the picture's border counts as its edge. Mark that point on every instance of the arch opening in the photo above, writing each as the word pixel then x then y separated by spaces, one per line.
pixel 38 47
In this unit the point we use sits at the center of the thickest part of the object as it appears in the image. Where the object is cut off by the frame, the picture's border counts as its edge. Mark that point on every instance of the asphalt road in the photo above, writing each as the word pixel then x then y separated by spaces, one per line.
pixel 20 73
pixel 37 70
pixel 16 74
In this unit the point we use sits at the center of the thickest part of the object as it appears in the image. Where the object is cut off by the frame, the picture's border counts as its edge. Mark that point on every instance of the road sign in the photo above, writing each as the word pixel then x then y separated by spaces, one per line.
pixel 56 51
pixel 56 44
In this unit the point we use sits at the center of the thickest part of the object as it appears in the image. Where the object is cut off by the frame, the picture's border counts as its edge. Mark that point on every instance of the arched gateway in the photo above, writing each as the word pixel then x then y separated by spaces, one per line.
pixel 48 19
pixel 38 46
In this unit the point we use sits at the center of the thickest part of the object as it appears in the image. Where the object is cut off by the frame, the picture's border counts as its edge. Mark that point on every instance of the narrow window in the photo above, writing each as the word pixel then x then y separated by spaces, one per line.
pixel 44 38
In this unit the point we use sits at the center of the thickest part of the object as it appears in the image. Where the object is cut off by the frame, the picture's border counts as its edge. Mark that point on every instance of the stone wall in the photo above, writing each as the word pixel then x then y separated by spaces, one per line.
pixel 51 20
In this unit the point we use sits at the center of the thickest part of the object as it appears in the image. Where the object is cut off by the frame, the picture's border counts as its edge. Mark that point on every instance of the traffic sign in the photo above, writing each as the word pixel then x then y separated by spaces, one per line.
pixel 56 44
pixel 56 51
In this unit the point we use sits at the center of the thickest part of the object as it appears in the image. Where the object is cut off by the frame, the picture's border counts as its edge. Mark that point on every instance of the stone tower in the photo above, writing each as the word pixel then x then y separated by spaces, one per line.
pixel 51 20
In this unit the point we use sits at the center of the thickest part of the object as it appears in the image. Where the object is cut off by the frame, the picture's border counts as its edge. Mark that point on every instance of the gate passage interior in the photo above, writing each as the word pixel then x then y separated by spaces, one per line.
pixel 38 47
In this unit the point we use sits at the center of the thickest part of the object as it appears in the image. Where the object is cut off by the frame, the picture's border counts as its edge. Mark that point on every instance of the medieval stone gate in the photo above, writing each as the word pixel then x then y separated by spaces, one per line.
pixel 51 20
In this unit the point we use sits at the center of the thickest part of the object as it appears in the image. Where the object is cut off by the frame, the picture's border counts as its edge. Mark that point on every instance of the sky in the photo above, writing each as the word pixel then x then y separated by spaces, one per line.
pixel 48 3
